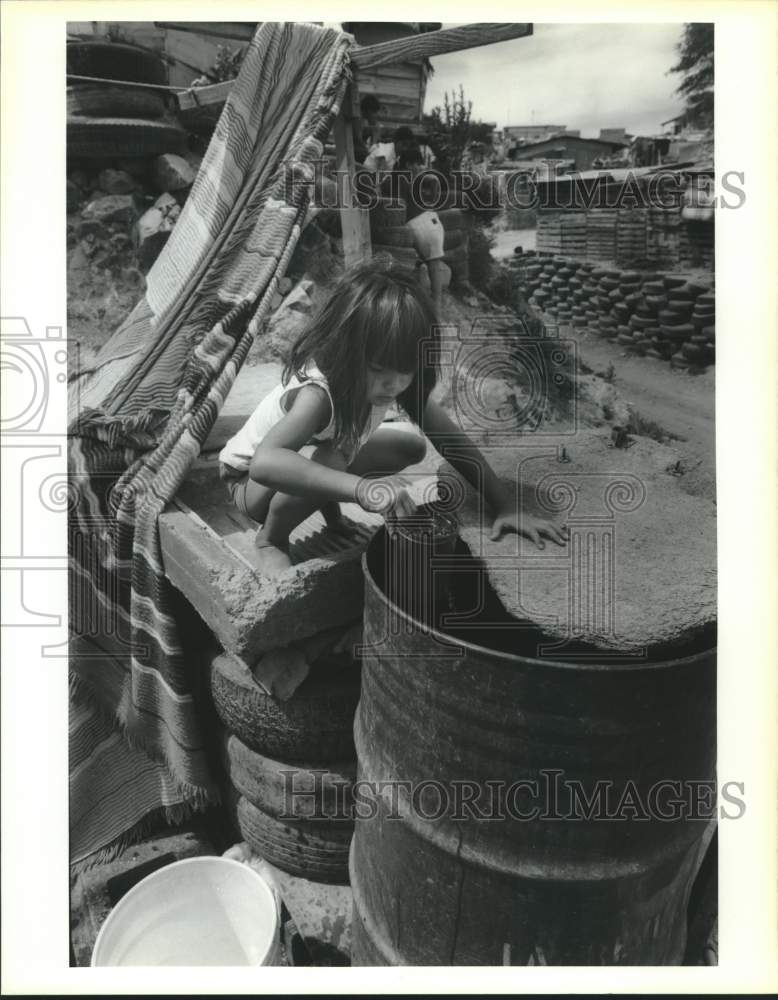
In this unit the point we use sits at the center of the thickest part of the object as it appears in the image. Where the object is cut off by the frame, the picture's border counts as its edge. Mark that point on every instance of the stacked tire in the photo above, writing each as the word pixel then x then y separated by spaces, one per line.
pixel 107 116
pixel 665 317
pixel 290 765
pixel 601 226
pixel 456 241
pixel 631 236
pixel 698 346
pixel 389 233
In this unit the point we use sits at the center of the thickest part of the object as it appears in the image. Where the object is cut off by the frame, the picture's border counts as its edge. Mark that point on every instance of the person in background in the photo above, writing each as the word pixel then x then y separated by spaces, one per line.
pixel 367 130
pixel 425 225
pixel 428 158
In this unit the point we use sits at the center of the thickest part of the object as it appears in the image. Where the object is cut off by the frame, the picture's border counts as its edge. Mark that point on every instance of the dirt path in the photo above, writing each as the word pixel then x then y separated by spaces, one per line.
pixel 507 240
pixel 681 403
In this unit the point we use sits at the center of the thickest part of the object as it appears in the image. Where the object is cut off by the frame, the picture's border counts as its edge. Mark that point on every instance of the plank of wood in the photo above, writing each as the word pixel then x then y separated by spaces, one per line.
pixel 197 97
pixel 401 86
pixel 435 43
pixel 355 221
pixel 241 31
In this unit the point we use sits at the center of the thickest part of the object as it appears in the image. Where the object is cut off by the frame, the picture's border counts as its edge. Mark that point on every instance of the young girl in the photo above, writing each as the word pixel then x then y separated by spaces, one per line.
pixel 317 438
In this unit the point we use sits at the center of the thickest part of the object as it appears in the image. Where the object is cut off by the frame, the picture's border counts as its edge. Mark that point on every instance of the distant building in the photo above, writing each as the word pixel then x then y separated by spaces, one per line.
pixel 614 135
pixel 583 152
pixel 530 133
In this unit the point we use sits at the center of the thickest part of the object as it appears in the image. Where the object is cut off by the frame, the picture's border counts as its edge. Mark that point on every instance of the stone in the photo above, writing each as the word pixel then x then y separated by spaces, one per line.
pixel 91 227
pixel 137 168
pixel 78 259
pixel 299 299
pixel 116 182
pixel 172 172
pixel 285 286
pixel 132 276
pixel 74 196
pixel 120 241
pixel 167 204
pixel 149 223
pixel 80 178
pixel 154 228
pixel 290 319
pixel 111 208
pixel 193 159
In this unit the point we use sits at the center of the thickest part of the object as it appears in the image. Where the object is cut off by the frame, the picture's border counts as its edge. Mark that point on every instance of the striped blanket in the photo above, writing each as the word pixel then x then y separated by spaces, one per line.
pixel 138 419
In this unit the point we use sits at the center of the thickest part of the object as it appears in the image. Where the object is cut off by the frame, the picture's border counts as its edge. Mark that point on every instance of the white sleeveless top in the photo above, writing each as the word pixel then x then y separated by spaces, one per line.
pixel 239 450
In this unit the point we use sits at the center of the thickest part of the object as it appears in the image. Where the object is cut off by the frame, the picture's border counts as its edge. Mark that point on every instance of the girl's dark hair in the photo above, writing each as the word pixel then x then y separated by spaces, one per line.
pixel 376 315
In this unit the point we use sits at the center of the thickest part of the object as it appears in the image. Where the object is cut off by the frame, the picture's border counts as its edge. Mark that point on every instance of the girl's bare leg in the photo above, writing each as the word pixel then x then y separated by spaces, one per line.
pixel 388 451
pixel 285 512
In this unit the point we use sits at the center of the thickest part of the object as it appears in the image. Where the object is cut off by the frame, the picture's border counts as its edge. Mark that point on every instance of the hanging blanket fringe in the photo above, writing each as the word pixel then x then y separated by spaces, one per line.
pixel 139 419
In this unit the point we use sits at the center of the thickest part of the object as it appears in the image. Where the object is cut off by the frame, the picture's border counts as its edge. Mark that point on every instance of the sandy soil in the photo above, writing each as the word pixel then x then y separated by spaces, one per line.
pixel 506 241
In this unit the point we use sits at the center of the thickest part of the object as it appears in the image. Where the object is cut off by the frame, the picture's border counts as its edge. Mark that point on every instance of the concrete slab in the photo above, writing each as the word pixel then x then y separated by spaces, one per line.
pixel 209 555
pixel 321 913
pixel 640 569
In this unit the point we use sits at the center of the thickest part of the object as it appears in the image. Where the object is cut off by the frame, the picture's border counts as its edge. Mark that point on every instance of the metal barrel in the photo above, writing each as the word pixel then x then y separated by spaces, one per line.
pixel 414 579
pixel 518 810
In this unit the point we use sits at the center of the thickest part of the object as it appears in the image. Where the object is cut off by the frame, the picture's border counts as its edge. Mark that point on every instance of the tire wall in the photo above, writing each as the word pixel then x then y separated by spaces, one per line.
pixel 644 236
pixel 664 316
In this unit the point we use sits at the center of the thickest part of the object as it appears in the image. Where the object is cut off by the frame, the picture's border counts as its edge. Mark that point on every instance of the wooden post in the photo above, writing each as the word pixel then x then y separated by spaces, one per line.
pixel 355 221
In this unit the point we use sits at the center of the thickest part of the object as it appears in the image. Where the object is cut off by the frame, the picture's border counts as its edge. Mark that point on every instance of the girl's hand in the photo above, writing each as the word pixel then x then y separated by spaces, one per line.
pixel 385 495
pixel 530 526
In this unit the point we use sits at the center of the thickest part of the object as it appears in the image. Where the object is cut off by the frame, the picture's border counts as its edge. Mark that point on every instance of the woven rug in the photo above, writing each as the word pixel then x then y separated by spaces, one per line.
pixel 138 419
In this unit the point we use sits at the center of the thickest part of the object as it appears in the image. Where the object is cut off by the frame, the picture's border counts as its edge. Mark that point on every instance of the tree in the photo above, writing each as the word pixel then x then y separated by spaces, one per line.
pixel 451 128
pixel 696 64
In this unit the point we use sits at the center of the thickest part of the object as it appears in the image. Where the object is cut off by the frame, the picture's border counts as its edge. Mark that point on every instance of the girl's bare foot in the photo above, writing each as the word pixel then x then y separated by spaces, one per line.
pixel 333 516
pixel 274 560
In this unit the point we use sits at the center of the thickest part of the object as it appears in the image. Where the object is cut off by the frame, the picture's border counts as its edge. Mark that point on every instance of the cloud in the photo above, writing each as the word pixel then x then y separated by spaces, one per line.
pixel 583 76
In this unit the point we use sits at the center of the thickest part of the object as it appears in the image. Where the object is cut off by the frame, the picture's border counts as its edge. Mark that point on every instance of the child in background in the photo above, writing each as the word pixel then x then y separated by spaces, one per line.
pixel 317 438
pixel 425 225
pixel 367 128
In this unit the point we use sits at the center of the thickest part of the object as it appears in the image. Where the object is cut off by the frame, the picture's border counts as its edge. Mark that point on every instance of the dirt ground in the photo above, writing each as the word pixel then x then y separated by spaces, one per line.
pixel 506 241
pixel 681 404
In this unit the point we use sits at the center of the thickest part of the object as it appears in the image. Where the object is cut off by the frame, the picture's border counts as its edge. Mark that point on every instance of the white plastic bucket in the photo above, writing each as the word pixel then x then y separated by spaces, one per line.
pixel 199 911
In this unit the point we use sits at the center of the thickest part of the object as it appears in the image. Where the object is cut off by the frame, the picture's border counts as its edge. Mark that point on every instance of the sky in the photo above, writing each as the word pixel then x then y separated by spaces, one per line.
pixel 582 76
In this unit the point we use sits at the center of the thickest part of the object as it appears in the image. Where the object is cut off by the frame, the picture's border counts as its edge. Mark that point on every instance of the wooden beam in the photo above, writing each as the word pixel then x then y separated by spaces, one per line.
pixel 239 31
pixel 355 221
pixel 200 97
pixel 435 43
